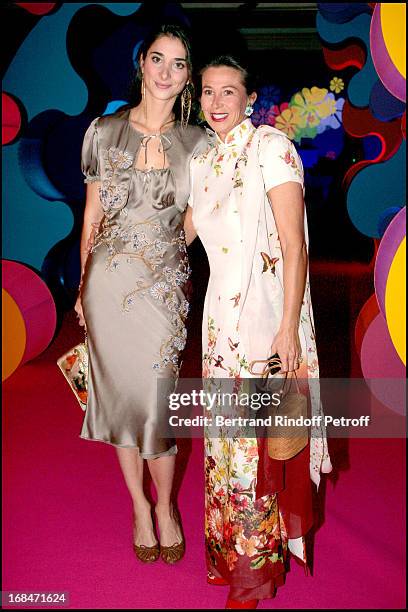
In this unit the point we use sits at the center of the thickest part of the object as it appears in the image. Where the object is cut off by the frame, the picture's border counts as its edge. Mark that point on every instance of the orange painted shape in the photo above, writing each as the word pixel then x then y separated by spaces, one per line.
pixel 13 335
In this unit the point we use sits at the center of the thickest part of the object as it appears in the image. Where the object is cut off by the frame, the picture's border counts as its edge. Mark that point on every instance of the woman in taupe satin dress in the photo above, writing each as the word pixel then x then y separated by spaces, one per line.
pixel 136 164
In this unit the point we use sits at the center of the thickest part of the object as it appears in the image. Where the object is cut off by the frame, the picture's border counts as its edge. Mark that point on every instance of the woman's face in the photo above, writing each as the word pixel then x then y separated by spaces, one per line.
pixel 165 69
pixel 224 98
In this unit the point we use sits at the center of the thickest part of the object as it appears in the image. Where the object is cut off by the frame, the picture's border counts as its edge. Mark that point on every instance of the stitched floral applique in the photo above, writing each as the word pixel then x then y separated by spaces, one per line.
pixel 290 160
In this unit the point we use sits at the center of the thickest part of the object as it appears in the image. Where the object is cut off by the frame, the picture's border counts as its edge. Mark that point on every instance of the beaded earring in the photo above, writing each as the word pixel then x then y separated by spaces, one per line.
pixel 143 92
pixel 185 100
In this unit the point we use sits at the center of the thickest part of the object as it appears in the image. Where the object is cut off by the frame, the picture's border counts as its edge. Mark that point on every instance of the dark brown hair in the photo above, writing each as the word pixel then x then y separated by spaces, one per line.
pixel 174 30
pixel 231 61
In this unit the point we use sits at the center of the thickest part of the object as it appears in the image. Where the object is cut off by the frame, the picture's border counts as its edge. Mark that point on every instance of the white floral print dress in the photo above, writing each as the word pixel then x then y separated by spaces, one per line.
pixel 246 535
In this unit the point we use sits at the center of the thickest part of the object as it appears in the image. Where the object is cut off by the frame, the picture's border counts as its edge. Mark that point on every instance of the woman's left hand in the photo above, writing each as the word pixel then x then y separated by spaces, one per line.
pixel 287 344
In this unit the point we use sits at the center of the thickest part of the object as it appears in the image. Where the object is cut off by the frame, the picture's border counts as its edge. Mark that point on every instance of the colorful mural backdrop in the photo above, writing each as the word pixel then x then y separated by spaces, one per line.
pixel 49 99
pixel 372 37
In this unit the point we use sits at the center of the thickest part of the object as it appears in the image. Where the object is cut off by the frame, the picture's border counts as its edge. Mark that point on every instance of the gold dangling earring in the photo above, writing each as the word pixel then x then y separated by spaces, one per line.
pixel 185 100
pixel 143 91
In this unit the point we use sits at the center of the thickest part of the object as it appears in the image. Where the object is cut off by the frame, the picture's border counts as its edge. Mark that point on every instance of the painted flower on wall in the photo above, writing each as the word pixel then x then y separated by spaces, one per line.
pixel 334 120
pixel 336 84
pixel 267 115
pixel 309 112
pixel 291 122
pixel 311 103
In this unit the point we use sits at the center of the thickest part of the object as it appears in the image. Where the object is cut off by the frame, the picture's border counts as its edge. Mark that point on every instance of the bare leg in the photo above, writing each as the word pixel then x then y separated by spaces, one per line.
pixel 162 471
pixel 132 468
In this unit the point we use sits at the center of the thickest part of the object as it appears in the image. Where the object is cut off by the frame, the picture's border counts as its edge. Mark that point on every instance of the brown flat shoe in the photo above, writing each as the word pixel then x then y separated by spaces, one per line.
pixel 147 554
pixel 173 553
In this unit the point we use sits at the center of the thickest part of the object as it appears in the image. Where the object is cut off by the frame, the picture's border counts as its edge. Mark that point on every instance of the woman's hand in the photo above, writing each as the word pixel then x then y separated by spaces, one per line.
pixel 78 310
pixel 287 344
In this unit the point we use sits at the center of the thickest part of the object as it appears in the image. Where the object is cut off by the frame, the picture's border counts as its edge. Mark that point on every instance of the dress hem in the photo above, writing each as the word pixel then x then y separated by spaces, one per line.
pixel 171 451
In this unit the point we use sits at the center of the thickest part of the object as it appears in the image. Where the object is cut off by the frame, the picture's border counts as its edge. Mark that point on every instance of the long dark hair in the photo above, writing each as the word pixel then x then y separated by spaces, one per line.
pixel 174 30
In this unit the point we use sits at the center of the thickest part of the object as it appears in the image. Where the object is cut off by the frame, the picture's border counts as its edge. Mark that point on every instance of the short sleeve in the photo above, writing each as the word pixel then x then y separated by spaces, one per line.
pixel 206 141
pixel 279 160
pixel 90 154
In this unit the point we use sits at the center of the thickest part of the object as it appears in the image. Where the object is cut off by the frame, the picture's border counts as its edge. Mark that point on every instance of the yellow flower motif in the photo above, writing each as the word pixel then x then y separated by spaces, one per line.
pixel 309 100
pixel 327 108
pixel 290 122
pixel 336 85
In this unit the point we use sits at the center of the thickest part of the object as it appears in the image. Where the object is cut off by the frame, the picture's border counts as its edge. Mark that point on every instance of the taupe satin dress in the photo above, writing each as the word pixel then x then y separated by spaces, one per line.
pixel 133 293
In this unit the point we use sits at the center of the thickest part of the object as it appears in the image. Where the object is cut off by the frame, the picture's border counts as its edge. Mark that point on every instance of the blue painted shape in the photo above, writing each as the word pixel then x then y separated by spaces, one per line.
pixel 42 77
pixel 41 74
pixel 31 225
pixel 374 189
pixel 330 143
pixel 31 155
pixel 113 106
pixel 116 69
pixel 340 12
pixel 386 217
pixel 360 84
pixel 383 105
pixel 135 52
pixel 120 8
pixel 372 147
pixel 309 157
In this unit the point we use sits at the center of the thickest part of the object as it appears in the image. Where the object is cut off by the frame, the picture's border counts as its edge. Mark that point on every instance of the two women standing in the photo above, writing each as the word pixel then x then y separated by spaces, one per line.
pixel 246 204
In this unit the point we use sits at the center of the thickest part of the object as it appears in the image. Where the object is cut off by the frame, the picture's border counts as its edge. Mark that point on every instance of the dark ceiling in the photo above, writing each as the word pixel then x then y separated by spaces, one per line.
pixel 263 25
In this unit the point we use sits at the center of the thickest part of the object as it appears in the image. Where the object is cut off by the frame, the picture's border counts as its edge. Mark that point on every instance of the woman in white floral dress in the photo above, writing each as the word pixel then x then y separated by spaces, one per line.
pixel 247 207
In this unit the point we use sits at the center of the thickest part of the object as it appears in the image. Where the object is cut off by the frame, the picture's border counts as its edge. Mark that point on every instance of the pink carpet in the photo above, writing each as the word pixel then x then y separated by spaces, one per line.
pixel 67 515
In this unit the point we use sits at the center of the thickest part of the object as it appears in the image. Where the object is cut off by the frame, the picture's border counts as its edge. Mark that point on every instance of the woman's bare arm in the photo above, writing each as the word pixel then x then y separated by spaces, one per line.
pixel 93 215
pixel 288 209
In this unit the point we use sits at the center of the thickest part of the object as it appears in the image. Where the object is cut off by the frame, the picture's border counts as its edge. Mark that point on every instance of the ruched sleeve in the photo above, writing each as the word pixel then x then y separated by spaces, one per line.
pixel 279 160
pixel 90 154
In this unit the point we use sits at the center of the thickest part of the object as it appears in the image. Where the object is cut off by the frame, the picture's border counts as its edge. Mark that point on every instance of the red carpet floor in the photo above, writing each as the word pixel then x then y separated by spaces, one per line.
pixel 67 515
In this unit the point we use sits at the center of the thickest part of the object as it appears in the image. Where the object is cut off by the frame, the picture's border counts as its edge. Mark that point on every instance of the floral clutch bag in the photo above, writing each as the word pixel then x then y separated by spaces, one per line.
pixel 74 366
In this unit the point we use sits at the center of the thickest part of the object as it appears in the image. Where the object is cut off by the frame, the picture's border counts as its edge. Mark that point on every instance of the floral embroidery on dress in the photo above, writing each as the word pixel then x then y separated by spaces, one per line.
pixel 146 242
pixel 113 197
pixel 119 160
pixel 211 360
pixel 290 159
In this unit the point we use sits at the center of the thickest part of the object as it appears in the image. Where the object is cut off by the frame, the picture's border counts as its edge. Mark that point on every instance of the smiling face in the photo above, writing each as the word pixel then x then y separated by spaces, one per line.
pixel 224 98
pixel 165 69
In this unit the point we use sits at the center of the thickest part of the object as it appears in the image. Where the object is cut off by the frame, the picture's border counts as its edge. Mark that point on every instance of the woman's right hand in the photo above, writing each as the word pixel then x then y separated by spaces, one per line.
pixel 78 310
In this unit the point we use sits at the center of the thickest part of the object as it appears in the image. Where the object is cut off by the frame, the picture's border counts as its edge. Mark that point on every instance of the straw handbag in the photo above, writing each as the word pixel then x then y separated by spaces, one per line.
pixel 285 441
pixel 74 366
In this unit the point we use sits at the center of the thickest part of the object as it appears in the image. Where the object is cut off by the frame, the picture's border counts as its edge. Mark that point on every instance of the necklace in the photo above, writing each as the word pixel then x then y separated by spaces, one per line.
pixel 164 141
